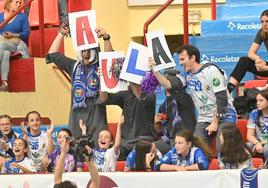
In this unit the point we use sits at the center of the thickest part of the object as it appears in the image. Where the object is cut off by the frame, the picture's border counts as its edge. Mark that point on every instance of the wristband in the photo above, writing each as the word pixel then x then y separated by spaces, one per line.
pixel 107 37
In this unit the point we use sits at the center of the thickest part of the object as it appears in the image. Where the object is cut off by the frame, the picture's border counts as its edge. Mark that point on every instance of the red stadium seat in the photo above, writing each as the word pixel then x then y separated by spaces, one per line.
pixel 242 126
pixel 213 147
pixel 51 13
pixel 261 78
pixel 257 162
pixel 74 6
pixel 213 165
pixel 2 2
pixel 120 165
pixel 255 83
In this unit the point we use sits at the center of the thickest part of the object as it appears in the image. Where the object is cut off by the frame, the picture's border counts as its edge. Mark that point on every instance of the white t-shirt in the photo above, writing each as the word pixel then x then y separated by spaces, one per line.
pixel 25 162
pixel 38 146
pixel 105 160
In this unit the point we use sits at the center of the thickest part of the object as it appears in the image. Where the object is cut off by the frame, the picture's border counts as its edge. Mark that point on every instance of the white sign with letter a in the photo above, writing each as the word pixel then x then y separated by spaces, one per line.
pixel 109 82
pixel 82 28
pixel 135 64
pixel 159 50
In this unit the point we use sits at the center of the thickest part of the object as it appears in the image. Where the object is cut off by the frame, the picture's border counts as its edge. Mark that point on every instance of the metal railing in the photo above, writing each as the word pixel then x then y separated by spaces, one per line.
pixel 185 19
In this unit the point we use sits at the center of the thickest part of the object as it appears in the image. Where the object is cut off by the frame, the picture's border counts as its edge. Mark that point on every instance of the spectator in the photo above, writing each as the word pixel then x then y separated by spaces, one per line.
pixel 58 183
pixel 70 164
pixel 7 136
pixel 41 143
pixel 189 153
pixel 233 154
pixel 13 38
pixel 257 133
pixel 253 62
pixel 207 85
pixel 143 157
pixel 20 163
pixel 177 112
pixel 106 154
pixel 138 111
pixel 87 109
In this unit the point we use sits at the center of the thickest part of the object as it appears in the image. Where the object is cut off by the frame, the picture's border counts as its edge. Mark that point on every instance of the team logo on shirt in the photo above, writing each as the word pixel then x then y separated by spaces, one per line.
pixel 216 82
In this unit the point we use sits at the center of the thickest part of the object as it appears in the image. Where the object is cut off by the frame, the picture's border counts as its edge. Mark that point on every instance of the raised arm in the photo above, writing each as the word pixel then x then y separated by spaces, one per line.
pixel 50 147
pixel 55 47
pixel 101 33
pixel 118 136
pixel 60 163
pixel 95 177
pixel 161 79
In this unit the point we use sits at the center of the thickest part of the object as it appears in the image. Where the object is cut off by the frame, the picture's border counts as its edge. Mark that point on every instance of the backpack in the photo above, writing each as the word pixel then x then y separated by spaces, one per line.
pixel 245 104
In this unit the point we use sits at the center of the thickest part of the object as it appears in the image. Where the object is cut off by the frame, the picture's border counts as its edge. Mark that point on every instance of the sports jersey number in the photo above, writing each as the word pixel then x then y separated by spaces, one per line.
pixel 35 145
pixel 195 84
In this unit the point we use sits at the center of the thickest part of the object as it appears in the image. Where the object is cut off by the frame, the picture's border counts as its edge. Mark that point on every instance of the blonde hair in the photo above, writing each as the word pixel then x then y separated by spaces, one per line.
pixel 7 4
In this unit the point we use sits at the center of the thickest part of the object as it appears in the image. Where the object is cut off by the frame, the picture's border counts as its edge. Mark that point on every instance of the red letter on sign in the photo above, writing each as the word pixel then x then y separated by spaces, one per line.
pixel 83 26
pixel 110 82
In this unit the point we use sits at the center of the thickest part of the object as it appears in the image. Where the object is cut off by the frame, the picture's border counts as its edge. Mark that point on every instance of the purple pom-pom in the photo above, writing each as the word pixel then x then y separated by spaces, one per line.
pixel 149 83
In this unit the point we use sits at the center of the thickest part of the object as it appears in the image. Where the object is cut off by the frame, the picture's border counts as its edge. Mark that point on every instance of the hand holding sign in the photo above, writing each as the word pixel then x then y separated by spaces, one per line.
pixel 159 50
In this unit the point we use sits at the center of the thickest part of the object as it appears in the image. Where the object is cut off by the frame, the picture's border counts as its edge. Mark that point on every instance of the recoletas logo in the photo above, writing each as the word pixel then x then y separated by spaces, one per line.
pixel 243 26
pixel 105 182
pixel 219 59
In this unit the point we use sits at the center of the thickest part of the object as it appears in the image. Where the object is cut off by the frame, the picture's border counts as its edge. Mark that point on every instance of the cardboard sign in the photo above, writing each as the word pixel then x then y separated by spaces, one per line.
pixel 159 50
pixel 109 82
pixel 82 28
pixel 136 63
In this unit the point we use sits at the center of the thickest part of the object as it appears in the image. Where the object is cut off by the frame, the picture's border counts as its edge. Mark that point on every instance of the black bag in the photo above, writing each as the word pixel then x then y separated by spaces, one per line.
pixel 245 104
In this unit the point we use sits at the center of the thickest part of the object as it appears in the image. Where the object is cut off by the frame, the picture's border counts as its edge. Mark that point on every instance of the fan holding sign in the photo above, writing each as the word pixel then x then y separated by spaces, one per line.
pixel 83 72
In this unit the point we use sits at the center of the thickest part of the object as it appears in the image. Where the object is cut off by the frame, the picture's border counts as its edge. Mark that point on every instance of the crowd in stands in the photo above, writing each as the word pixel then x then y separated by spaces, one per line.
pixel 172 140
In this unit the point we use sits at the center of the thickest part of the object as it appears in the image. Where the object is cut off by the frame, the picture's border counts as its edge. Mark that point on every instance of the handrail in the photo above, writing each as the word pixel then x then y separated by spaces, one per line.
pixel 41 27
pixel 63 73
pixel 213 9
pixel 15 13
pixel 185 22
pixel 152 18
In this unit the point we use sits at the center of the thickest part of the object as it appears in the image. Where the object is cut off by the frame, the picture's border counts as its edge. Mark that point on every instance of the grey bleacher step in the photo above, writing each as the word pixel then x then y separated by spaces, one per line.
pixel 229 27
pixel 243 11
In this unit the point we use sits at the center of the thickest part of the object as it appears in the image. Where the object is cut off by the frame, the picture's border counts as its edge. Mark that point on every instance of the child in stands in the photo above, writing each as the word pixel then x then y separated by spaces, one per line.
pixel 7 136
pixel 106 155
pixel 70 163
pixel 257 133
pixel 189 153
pixel 142 157
pixel 20 163
pixel 40 143
pixel 233 153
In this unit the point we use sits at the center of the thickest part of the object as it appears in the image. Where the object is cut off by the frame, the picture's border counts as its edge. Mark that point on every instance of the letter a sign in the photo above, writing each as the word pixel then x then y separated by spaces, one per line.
pixel 82 26
pixel 159 50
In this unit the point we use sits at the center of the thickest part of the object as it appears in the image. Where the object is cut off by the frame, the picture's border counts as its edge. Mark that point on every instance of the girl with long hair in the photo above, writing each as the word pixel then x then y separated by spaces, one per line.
pixel 189 153
pixel 257 133
pixel 143 157
pixel 233 153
